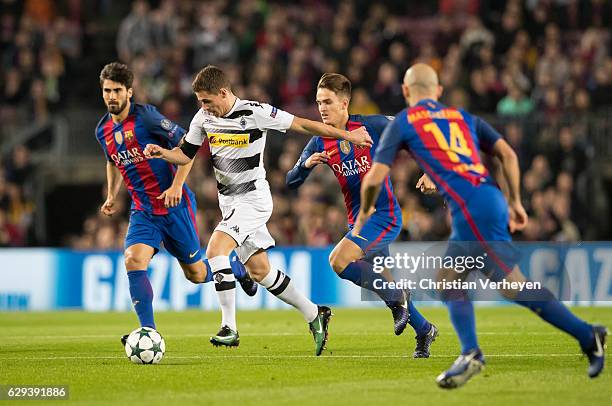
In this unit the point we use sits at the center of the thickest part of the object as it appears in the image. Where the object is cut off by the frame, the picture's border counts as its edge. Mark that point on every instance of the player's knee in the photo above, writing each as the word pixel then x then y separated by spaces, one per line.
pixel 258 266
pixel 214 250
pixel 135 261
pixel 211 252
pixel 338 262
pixel 194 276
pixel 257 274
pixel 333 261
pixel 220 244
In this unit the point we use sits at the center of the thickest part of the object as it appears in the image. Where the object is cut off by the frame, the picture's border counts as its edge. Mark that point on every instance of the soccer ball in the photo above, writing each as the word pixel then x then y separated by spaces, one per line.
pixel 145 346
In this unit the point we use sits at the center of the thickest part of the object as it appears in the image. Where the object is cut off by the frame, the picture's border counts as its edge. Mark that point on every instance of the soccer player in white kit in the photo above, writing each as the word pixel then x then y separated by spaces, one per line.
pixel 236 130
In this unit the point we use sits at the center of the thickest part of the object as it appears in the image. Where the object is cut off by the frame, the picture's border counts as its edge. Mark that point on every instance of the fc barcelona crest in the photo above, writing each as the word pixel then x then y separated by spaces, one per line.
pixel 129 136
pixel 345 147
pixel 118 137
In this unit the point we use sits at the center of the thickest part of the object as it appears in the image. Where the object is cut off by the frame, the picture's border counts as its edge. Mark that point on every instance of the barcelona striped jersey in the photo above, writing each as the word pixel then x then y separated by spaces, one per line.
pixel 445 142
pixel 123 144
pixel 350 163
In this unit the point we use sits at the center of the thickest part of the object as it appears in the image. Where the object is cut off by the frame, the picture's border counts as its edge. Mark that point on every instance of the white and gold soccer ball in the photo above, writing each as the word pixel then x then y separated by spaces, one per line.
pixel 145 346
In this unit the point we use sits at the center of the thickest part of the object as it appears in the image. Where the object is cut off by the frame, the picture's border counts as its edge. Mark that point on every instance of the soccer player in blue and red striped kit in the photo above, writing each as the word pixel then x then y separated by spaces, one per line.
pixel 352 259
pixel 163 207
pixel 445 142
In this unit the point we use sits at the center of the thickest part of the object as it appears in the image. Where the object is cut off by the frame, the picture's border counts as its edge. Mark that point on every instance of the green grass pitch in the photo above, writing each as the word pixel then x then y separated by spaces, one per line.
pixel 528 362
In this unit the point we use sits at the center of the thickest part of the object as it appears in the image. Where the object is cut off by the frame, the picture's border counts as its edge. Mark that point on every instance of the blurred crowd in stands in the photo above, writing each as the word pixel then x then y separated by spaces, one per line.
pixel 16 191
pixel 538 70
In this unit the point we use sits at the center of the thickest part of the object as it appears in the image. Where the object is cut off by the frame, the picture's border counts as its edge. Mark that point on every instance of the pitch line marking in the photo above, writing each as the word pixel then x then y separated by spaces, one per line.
pixel 204 335
pixel 194 357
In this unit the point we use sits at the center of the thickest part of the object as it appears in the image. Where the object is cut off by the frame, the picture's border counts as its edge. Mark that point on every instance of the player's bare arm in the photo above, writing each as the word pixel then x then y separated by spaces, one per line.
pixel 370 189
pixel 359 136
pixel 173 195
pixel 174 156
pixel 113 181
pixel 496 169
pixel 512 174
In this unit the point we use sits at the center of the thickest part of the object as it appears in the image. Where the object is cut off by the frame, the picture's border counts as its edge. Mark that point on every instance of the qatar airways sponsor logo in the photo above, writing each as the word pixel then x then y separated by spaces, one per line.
pixel 350 167
pixel 129 156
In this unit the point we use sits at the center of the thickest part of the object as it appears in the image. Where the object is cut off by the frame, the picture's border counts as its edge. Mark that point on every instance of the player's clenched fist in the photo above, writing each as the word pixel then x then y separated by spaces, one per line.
pixel 360 137
pixel 153 151
pixel 316 158
pixel 108 208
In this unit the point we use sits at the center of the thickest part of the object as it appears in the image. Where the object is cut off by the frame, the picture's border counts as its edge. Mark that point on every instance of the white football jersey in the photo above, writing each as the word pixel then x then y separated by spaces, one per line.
pixel 237 141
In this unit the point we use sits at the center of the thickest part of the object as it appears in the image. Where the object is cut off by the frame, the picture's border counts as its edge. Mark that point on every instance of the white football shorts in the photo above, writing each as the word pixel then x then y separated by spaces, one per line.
pixel 244 219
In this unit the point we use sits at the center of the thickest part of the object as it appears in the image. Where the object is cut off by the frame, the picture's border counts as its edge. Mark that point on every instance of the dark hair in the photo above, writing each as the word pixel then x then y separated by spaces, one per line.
pixel 337 83
pixel 117 72
pixel 211 79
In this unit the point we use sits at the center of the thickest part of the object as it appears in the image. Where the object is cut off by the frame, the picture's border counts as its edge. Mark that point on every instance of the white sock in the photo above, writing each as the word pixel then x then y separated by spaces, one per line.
pixel 225 285
pixel 280 285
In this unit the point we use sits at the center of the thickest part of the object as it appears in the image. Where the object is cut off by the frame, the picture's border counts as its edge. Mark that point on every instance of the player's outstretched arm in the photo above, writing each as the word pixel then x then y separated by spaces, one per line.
pixel 512 174
pixel 113 183
pixel 358 136
pixel 370 189
pixel 174 156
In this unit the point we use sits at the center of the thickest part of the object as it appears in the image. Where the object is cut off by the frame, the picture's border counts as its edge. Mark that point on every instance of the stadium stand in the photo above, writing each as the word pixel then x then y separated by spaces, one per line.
pixel 540 71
